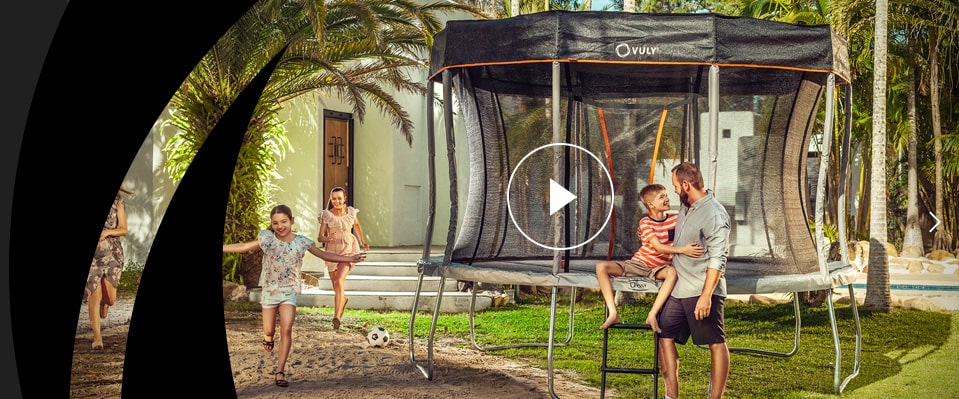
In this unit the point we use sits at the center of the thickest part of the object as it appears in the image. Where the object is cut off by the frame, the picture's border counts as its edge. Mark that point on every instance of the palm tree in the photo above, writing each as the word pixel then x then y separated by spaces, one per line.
pixel 945 37
pixel 357 50
pixel 912 237
pixel 942 239
pixel 926 21
pixel 878 297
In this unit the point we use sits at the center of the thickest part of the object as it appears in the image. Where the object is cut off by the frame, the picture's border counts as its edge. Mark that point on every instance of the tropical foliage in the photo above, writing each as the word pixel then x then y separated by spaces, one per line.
pixel 360 51
pixel 917 32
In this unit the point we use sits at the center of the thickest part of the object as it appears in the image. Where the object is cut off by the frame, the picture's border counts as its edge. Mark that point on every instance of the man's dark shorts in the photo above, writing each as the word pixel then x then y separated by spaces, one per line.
pixel 678 321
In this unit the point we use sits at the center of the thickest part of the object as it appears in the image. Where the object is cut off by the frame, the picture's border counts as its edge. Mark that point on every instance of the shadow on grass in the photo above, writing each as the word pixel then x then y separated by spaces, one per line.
pixel 890 341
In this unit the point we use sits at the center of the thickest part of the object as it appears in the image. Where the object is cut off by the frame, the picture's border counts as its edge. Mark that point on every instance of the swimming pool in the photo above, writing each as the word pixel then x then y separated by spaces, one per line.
pixel 913 287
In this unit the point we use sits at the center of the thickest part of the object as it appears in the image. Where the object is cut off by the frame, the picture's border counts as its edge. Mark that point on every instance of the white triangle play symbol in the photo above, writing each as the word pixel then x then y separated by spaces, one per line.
pixel 558 197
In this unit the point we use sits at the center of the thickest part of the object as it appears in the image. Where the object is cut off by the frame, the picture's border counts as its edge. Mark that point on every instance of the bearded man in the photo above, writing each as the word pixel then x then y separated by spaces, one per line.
pixel 695 307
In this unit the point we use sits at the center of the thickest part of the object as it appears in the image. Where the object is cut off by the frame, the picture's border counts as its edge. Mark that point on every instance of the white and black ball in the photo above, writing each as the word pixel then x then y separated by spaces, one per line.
pixel 378 337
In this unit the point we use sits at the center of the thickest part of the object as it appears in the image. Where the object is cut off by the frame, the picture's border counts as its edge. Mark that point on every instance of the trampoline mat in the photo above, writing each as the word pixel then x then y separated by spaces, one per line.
pixel 742 276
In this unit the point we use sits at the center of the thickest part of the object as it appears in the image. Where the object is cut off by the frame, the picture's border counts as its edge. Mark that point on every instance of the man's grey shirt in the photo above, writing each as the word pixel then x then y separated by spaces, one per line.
pixel 707 223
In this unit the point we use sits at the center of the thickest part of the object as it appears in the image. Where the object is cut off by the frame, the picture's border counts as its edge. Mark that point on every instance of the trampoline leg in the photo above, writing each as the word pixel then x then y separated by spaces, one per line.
pixel 835 336
pixel 552 330
pixel 428 369
pixel 774 353
pixel 472 317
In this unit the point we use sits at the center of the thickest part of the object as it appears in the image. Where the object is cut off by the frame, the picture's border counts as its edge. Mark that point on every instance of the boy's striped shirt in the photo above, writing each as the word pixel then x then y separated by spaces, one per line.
pixel 664 231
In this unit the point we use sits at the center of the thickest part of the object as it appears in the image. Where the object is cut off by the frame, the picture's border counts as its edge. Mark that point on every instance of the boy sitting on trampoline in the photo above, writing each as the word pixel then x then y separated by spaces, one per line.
pixel 653 259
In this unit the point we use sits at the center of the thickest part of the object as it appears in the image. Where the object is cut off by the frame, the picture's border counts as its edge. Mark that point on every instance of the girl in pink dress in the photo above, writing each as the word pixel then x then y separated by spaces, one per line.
pixel 336 224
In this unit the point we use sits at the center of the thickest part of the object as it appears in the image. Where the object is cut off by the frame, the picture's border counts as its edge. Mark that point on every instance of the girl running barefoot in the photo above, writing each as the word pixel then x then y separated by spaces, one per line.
pixel 283 252
pixel 336 223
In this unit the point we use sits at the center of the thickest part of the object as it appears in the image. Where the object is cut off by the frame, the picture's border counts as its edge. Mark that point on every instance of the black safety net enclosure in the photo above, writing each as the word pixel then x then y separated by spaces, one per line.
pixel 600 104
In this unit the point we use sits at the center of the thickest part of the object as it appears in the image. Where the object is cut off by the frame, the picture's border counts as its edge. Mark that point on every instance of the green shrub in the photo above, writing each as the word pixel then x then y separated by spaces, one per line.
pixel 130 277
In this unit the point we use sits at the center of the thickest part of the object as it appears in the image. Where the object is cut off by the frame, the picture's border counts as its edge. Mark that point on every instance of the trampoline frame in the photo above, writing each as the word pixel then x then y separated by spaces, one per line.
pixel 834 277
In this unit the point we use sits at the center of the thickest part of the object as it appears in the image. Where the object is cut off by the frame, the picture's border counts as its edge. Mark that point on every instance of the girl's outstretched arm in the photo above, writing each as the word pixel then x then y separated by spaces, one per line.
pixel 332 257
pixel 242 247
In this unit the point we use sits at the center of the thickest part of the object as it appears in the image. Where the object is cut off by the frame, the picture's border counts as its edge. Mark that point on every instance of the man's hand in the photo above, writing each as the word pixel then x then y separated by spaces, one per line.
pixel 703 304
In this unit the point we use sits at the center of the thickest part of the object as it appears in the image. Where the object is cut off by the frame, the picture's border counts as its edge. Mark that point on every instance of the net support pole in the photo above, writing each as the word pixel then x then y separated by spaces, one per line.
pixel 427 369
pixel 713 125
pixel 844 171
pixel 427 241
pixel 558 162
pixel 843 168
pixel 557 222
pixel 431 164
pixel 822 246
pixel 451 158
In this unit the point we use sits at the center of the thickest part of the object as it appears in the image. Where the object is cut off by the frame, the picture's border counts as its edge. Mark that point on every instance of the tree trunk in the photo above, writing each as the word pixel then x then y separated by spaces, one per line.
pixel 912 241
pixel 862 216
pixel 250 266
pixel 813 299
pixel 878 297
pixel 942 239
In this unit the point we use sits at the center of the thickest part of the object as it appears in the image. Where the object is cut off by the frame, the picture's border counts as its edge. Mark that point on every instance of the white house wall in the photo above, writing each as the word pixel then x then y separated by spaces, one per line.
pixel 391 179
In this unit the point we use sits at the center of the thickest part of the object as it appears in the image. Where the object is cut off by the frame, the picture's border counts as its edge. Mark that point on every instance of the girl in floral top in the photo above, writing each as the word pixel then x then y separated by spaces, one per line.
pixel 283 252
pixel 337 222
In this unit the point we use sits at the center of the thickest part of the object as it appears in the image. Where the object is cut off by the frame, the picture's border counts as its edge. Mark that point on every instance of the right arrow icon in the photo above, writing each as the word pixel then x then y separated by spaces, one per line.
pixel 937 222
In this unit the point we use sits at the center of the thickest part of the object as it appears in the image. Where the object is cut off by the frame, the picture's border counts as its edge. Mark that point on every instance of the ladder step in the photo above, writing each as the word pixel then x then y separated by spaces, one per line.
pixel 604 369
pixel 631 326
pixel 627 370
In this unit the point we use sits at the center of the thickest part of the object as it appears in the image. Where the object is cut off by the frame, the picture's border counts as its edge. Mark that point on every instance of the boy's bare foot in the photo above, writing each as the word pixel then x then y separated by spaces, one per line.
pixel 651 320
pixel 612 319
pixel 103 310
pixel 97 344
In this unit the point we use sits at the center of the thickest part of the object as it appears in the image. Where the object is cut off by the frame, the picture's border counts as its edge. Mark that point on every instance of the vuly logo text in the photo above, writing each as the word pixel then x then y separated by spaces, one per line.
pixel 624 50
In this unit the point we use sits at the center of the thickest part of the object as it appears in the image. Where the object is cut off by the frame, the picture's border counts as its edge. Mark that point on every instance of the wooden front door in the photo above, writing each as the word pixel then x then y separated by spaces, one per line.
pixel 337 153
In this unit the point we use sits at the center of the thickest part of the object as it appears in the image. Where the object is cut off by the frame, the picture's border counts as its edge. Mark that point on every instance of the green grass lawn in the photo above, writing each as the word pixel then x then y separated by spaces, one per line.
pixel 905 354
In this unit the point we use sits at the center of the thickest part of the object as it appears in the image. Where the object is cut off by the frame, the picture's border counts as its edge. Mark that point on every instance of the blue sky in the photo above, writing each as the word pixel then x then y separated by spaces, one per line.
pixel 599 4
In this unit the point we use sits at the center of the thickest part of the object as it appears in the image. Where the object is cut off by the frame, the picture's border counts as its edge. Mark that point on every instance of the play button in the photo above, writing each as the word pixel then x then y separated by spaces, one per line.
pixel 563 195
pixel 558 197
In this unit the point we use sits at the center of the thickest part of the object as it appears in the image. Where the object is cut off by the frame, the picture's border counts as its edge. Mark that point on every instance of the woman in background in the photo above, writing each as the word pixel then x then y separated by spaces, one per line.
pixel 101 289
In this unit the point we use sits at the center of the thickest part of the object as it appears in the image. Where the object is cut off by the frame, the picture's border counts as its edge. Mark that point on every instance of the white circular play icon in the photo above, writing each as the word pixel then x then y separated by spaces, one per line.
pixel 559 195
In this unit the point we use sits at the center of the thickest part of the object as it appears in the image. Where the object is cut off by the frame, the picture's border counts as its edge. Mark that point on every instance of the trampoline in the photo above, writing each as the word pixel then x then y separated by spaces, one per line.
pixel 603 103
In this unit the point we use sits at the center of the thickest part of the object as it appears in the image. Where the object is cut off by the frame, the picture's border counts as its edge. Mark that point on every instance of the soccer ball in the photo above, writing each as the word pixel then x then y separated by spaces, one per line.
pixel 378 337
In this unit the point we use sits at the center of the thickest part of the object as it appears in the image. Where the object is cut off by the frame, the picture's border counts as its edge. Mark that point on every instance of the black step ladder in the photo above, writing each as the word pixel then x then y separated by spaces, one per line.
pixel 654 371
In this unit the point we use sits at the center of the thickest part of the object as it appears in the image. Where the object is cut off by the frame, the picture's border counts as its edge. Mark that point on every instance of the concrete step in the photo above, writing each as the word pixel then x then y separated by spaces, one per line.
pixel 401 254
pixel 387 280
pixel 375 268
pixel 380 283
pixel 452 302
